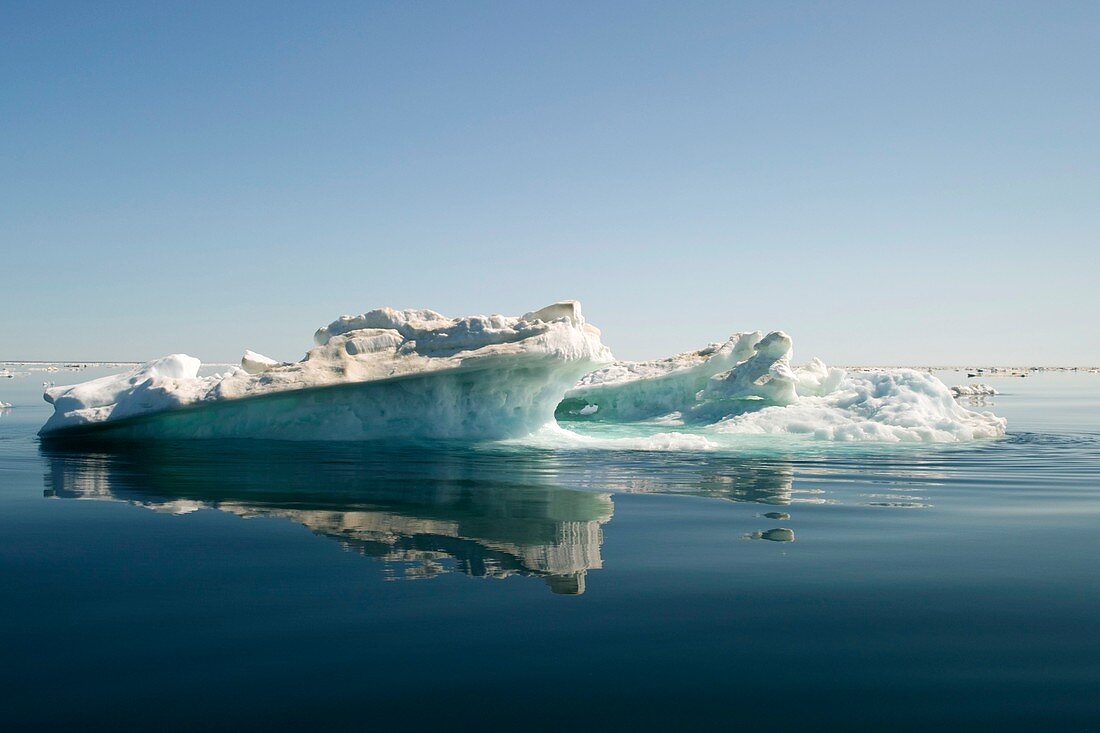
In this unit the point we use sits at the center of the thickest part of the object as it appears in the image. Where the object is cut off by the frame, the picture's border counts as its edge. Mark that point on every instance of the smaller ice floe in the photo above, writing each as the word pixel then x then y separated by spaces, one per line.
pixel 5 405
pixel 655 389
pixel 748 386
pixel 973 390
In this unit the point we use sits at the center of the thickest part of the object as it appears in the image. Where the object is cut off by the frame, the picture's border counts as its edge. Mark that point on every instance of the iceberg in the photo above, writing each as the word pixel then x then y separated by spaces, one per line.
pixel 384 374
pixel 747 386
pixel 415 374
pixel 974 390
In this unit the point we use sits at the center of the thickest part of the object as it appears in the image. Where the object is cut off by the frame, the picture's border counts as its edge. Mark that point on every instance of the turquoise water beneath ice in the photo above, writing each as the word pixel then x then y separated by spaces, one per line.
pixel 266 586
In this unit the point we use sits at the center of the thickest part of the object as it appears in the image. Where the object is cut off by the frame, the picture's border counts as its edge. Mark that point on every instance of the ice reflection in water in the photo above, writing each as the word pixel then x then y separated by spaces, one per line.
pixel 417 513
pixel 779 534
pixel 480 512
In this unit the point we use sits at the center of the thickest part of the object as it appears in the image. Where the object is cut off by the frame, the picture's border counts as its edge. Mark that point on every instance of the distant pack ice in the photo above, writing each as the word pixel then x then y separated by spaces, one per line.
pixel 416 374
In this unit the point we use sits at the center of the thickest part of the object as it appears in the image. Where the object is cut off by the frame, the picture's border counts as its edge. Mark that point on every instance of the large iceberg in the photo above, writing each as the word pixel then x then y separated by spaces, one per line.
pixel 385 374
pixel 415 374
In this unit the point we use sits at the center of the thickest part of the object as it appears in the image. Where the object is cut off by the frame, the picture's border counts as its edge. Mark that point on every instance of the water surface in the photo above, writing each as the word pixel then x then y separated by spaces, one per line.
pixel 261 586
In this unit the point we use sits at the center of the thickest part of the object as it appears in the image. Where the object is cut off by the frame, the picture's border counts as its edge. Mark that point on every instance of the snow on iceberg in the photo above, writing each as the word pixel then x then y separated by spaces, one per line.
pixel 381 374
pixel 748 386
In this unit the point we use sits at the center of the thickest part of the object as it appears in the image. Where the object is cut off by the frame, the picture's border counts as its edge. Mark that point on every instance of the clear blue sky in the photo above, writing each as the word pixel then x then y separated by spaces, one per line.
pixel 888 182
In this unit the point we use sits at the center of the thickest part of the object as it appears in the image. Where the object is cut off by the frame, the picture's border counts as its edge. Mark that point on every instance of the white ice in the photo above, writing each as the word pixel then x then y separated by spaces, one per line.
pixel 418 374
pixel 760 393
pixel 411 373
pixel 642 390
pixel 974 390
pixel 254 363
pixel 903 405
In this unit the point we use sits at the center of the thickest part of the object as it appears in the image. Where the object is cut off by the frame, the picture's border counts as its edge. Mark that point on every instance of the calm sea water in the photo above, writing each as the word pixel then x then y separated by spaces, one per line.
pixel 279 586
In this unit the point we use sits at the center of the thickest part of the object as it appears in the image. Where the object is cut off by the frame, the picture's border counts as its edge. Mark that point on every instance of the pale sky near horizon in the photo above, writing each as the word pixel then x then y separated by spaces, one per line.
pixel 890 183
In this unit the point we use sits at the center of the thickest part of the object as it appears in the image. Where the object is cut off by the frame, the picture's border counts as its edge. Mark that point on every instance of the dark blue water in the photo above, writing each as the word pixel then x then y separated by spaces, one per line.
pixel 272 586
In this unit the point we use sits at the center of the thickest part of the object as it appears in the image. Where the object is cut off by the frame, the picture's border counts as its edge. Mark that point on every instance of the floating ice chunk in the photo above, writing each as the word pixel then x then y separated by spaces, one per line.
pixel 5 405
pixel 588 410
pixel 254 363
pixel 759 393
pixel 381 374
pixel 974 390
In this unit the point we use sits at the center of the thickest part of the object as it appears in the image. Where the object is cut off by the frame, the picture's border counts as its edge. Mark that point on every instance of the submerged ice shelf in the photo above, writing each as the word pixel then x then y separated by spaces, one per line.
pixel 416 374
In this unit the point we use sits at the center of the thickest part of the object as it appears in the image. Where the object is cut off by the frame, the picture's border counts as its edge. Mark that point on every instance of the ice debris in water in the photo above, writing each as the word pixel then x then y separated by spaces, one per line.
pixel 419 374
pixel 974 390
pixel 407 373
